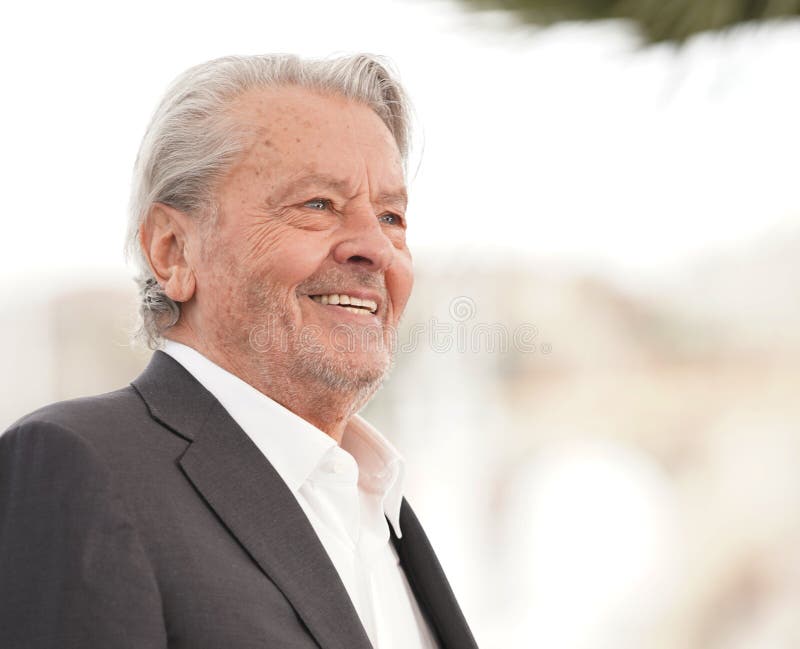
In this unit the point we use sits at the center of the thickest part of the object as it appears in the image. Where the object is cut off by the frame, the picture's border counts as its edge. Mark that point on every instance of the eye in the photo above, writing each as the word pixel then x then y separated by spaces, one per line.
pixel 318 204
pixel 390 219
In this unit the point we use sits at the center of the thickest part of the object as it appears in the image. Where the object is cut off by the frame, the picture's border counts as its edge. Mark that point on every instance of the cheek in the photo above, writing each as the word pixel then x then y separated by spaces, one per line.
pixel 400 281
pixel 302 255
pixel 256 244
pixel 283 253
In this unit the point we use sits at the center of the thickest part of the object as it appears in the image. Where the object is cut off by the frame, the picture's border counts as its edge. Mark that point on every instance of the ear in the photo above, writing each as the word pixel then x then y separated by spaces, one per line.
pixel 166 235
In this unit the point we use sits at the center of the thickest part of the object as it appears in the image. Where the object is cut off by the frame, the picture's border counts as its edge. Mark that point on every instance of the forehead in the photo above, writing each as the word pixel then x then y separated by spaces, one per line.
pixel 294 129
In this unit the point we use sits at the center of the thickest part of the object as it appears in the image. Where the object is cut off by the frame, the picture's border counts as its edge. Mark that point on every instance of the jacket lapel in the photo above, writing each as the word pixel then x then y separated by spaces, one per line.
pixel 248 495
pixel 429 583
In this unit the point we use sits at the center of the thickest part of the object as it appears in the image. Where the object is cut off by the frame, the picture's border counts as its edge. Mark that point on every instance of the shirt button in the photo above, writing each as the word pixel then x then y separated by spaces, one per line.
pixel 339 468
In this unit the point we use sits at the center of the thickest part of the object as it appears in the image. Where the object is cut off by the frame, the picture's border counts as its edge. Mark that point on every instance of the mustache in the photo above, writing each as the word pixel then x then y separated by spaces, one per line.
pixel 334 279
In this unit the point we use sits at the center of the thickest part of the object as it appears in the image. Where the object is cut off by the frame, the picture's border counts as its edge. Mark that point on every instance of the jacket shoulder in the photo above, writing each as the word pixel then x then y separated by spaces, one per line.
pixel 81 410
pixel 115 428
pixel 74 570
pixel 85 417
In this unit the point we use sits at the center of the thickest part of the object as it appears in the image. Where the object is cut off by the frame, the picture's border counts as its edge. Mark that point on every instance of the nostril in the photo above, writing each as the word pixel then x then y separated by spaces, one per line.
pixel 359 259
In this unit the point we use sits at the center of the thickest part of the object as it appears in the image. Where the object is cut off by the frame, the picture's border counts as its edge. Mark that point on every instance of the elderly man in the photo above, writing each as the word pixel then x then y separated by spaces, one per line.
pixel 230 497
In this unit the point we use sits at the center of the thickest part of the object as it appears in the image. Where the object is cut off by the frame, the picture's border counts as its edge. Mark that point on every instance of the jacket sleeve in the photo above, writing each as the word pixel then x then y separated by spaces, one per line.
pixel 73 572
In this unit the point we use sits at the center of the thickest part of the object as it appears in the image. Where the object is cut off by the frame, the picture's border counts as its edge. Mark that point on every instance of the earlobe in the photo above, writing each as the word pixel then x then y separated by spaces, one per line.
pixel 180 285
pixel 165 236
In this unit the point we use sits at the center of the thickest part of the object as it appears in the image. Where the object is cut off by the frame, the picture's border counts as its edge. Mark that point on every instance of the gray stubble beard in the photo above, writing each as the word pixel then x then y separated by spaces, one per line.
pixel 327 368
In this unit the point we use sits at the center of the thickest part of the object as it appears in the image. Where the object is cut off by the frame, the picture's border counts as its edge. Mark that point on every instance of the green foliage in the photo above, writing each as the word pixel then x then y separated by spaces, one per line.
pixel 658 20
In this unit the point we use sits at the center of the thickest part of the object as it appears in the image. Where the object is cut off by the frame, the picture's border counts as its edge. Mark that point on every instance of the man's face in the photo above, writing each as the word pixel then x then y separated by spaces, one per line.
pixel 315 207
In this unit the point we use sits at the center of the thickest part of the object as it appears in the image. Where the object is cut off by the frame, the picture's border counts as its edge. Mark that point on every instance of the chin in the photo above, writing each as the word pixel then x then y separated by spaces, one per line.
pixel 341 373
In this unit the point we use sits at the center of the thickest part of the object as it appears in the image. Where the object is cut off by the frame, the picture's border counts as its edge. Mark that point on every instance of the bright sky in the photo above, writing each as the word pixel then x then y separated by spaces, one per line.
pixel 566 143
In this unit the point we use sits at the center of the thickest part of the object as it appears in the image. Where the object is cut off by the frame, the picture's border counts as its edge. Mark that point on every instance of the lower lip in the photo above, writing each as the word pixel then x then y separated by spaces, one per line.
pixel 342 314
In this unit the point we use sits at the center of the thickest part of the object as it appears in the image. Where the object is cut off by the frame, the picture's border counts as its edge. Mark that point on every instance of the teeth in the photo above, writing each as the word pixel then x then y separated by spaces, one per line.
pixel 342 299
pixel 353 309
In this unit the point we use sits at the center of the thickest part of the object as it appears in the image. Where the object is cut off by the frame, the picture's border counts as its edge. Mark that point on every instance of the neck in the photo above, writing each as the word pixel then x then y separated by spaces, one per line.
pixel 318 403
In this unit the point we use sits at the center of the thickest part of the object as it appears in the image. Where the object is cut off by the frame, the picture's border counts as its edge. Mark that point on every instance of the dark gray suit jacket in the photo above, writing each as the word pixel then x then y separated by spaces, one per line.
pixel 147 518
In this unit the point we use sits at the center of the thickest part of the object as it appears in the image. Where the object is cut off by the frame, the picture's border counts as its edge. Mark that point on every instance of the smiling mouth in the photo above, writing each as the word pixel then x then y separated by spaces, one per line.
pixel 347 302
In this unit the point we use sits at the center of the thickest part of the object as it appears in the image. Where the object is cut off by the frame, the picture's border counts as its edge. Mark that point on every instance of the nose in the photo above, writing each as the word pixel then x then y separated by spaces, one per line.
pixel 363 241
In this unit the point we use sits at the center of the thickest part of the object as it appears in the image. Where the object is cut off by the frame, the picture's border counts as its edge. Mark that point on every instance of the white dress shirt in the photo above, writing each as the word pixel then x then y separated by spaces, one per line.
pixel 347 492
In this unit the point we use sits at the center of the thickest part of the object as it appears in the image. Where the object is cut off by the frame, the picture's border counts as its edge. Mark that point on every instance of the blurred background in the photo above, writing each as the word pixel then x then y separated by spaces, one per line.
pixel 604 438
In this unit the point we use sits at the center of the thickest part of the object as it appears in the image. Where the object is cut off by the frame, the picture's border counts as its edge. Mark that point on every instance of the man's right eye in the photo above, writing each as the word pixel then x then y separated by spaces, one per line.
pixel 318 204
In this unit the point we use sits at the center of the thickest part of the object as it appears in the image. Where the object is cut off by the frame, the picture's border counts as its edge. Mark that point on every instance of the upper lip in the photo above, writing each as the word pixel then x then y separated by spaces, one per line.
pixel 360 293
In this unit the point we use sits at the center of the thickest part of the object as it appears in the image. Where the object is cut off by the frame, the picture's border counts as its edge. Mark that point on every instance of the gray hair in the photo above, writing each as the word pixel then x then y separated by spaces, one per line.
pixel 191 143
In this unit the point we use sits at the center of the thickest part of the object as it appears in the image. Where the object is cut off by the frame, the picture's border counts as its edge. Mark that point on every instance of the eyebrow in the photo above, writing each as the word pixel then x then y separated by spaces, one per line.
pixel 398 197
